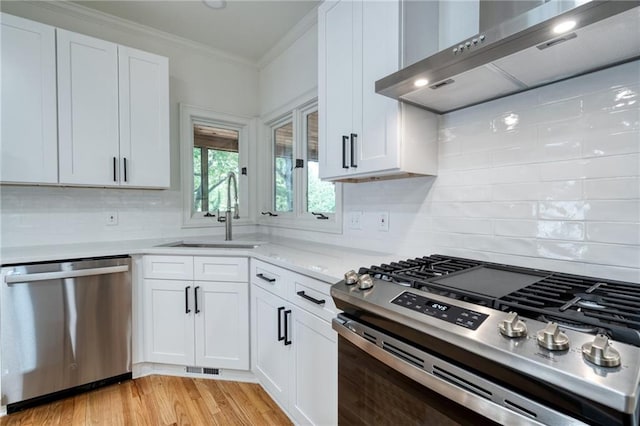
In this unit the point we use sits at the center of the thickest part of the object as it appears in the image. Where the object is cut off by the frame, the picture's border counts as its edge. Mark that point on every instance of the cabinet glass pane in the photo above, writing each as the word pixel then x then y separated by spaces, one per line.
pixel 320 196
pixel 283 167
pixel 215 154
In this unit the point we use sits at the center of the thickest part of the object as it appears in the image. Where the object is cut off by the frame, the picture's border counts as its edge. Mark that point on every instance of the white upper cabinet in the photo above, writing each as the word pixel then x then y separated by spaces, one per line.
pixel 29 151
pixel 87 110
pixel 364 135
pixel 113 104
pixel 144 118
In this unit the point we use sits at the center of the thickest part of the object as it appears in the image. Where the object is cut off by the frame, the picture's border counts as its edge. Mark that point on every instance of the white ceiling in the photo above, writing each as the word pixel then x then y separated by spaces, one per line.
pixel 244 28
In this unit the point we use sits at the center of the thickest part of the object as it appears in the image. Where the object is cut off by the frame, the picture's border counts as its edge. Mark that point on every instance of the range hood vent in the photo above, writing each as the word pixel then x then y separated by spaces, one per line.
pixel 521 53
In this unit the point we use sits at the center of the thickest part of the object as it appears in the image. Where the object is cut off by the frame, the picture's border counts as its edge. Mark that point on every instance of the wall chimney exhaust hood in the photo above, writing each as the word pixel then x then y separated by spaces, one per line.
pixel 521 53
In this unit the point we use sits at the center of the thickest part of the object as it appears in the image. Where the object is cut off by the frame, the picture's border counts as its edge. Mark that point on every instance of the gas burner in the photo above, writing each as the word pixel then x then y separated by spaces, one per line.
pixel 571 325
pixel 590 304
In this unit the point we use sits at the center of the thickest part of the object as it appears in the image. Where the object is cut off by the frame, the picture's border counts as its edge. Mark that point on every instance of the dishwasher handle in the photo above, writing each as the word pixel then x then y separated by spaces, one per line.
pixel 45 276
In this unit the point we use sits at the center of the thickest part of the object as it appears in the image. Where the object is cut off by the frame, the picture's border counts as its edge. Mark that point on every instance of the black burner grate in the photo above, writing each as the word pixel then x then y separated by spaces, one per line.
pixel 610 305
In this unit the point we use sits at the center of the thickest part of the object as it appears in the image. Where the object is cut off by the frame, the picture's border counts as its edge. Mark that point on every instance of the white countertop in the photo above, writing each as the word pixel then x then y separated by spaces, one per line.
pixel 321 261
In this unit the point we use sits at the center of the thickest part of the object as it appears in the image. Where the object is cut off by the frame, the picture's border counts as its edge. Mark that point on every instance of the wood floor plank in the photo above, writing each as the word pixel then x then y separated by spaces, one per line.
pixel 157 401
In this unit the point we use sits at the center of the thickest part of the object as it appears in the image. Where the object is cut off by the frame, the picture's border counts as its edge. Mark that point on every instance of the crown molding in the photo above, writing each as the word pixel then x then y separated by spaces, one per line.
pixel 79 11
pixel 306 23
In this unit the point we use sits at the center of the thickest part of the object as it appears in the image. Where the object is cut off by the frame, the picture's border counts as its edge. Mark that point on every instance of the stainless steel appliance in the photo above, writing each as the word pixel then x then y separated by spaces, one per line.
pixel 66 326
pixel 447 340
pixel 520 51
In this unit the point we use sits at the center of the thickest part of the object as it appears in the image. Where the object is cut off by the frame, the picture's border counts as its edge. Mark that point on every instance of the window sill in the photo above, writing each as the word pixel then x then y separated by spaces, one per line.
pixel 330 226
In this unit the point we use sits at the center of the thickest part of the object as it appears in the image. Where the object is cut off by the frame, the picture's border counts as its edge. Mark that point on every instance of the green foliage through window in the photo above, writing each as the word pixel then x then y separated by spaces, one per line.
pixel 215 154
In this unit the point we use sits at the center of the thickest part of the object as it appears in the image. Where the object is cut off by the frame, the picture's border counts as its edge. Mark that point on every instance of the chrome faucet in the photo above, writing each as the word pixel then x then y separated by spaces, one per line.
pixel 231 178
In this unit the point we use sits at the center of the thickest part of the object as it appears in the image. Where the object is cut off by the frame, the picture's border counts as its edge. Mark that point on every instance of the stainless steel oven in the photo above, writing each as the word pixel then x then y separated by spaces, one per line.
pixel 412 351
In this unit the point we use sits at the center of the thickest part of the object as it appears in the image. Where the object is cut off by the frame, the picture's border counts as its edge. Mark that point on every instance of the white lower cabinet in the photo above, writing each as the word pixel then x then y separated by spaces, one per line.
pixel 196 323
pixel 294 351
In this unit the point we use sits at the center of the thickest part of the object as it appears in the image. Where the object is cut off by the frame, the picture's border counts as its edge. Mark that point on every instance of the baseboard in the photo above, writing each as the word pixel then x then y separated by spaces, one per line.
pixel 148 368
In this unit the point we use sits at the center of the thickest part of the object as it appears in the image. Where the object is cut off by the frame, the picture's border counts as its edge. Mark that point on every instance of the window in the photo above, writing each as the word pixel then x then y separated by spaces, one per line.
pixel 298 197
pixel 212 145
pixel 320 196
pixel 215 154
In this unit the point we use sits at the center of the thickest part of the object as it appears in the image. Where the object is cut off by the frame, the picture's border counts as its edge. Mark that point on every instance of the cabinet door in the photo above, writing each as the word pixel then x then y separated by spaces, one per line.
pixel 378 131
pixel 270 356
pixel 87 110
pixel 168 321
pixel 29 148
pixel 144 118
pixel 222 325
pixel 336 86
pixel 314 383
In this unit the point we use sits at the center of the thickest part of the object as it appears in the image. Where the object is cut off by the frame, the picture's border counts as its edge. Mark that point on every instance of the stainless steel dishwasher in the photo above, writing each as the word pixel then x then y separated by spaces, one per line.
pixel 66 327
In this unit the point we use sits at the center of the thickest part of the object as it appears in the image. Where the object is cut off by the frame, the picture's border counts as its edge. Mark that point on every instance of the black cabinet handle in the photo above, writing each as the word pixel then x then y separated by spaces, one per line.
pixel 125 169
pixel 262 277
pixel 311 299
pixel 195 295
pixel 280 335
pixel 353 150
pixel 115 178
pixel 186 300
pixel 287 342
pixel 345 139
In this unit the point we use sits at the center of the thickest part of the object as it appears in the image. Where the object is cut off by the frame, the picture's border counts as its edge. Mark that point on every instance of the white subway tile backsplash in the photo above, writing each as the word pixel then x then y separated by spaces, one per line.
pixel 612 254
pixel 560 230
pixel 516 191
pixel 516 228
pixel 566 210
pixel 612 189
pixel 462 225
pixel 599 144
pixel 616 233
pixel 612 211
pixel 514 174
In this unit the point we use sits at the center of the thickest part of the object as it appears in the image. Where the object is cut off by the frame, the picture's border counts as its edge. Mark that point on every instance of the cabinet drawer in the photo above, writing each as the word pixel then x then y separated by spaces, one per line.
pixel 269 277
pixel 229 269
pixel 312 296
pixel 168 267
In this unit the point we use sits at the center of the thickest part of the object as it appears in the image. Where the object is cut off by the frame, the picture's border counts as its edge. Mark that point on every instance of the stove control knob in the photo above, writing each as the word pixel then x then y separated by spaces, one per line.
pixel 512 326
pixel 600 352
pixel 350 277
pixel 552 338
pixel 365 282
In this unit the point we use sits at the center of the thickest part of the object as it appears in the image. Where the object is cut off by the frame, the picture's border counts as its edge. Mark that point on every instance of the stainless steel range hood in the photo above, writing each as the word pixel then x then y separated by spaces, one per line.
pixel 521 53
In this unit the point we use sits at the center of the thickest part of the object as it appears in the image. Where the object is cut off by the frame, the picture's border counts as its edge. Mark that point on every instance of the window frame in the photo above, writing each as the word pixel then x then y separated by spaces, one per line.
pixel 299 218
pixel 245 126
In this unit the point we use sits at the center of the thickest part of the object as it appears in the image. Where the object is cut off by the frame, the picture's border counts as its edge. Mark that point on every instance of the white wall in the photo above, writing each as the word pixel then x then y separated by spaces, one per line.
pixel 291 74
pixel 45 215
pixel 548 178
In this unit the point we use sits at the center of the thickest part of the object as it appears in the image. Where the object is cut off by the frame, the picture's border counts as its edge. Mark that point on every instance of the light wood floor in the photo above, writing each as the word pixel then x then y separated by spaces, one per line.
pixel 159 400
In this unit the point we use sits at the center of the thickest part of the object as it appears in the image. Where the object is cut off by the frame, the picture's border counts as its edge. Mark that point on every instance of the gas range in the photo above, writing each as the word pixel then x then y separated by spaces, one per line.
pixel 538 334
pixel 580 303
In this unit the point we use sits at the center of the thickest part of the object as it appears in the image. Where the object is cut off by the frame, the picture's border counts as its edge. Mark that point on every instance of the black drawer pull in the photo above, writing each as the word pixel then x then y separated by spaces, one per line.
pixel 261 276
pixel 311 299
pixel 345 140
pixel 287 342
pixel 186 300
pixel 280 336
pixel 195 295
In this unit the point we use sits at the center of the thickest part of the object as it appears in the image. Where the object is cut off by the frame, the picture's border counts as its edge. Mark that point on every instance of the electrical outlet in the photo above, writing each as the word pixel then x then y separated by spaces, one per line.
pixel 355 220
pixel 111 218
pixel 383 221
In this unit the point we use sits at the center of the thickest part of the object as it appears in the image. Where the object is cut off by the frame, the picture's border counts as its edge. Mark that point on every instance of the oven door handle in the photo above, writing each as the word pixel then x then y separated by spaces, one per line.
pixel 447 384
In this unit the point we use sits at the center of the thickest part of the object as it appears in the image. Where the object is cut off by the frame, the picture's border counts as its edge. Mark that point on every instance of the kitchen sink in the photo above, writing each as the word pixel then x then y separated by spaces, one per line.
pixel 214 245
